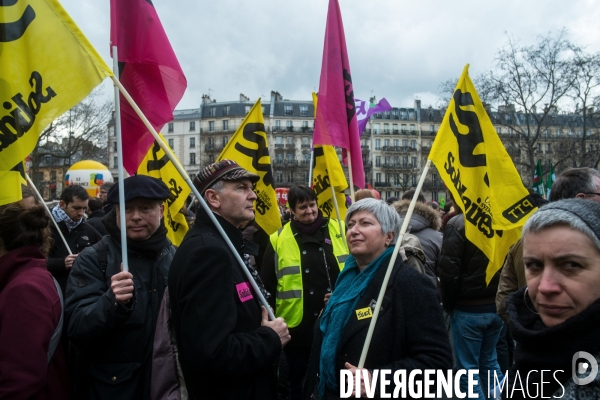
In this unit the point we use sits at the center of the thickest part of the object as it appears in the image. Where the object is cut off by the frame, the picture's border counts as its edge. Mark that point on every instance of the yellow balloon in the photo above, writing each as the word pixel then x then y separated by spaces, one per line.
pixel 90 174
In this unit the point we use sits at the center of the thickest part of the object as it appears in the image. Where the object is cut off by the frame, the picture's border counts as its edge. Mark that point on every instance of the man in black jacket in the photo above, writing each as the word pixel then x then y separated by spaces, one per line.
pixel 227 345
pixel 95 215
pixel 68 213
pixel 111 314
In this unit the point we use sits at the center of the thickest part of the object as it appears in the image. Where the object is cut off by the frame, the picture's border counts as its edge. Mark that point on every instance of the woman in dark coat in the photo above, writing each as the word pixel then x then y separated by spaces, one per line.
pixel 32 365
pixel 410 332
pixel 555 320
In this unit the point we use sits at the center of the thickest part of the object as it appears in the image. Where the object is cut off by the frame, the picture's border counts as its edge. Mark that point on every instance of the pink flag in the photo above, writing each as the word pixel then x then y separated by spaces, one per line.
pixel 150 72
pixel 336 123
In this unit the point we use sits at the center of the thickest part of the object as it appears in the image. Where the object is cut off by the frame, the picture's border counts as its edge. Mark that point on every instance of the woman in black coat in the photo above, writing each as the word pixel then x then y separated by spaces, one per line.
pixel 410 332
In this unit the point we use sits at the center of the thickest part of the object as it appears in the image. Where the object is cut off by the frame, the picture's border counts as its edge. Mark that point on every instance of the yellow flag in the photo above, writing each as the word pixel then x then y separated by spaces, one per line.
pixel 250 149
pixel 157 165
pixel 478 171
pixel 328 172
pixel 10 182
pixel 47 66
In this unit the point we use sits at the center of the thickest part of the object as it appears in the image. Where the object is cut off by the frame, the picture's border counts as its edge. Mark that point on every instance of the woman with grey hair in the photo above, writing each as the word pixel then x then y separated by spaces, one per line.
pixel 555 320
pixel 410 332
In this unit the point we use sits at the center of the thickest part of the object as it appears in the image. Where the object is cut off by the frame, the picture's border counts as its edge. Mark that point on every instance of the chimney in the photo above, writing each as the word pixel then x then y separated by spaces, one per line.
pixel 244 98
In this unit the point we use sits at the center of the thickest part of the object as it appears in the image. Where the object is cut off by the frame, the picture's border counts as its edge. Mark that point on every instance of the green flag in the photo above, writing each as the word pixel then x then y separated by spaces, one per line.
pixel 550 181
pixel 538 183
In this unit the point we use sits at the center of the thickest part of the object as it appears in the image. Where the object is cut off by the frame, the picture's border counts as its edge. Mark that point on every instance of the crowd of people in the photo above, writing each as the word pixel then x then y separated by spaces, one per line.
pixel 75 324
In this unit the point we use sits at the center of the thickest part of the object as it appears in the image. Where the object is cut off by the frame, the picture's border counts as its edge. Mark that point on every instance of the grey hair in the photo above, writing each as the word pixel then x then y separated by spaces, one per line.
pixel 386 215
pixel 577 214
pixel 217 186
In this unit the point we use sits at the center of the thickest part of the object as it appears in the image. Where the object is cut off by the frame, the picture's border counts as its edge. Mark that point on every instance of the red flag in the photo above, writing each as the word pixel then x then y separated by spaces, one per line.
pixel 148 69
pixel 336 121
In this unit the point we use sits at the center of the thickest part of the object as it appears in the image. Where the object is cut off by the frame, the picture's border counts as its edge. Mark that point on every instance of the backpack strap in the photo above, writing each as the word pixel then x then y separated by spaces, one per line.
pixel 101 250
pixel 58 330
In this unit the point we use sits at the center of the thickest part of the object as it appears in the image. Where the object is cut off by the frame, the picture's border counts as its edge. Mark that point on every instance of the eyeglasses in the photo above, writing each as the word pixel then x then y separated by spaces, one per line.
pixel 592 193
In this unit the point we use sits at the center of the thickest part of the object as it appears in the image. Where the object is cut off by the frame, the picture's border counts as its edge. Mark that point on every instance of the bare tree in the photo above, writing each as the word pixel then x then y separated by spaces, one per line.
pixel 527 86
pixel 80 133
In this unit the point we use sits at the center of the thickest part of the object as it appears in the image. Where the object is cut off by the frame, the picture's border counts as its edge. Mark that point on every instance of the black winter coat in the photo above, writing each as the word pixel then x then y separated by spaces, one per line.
pixel 224 351
pixel 462 269
pixel 410 331
pixel 82 236
pixel 114 341
pixel 95 220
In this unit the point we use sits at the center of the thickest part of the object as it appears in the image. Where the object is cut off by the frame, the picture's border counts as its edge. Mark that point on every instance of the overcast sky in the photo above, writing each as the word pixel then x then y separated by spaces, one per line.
pixel 400 50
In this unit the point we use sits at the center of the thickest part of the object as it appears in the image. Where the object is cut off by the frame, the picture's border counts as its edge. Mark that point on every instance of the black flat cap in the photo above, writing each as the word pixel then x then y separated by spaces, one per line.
pixel 139 186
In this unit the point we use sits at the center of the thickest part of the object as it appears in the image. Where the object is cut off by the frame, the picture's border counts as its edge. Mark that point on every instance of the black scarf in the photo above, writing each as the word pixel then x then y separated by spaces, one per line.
pixel 149 248
pixel 308 229
pixel 542 348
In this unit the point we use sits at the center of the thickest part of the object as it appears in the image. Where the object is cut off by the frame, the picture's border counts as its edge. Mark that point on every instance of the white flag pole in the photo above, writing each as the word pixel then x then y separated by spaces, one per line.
pixel 49 213
pixel 312 160
pixel 365 350
pixel 121 173
pixel 187 179
pixel 350 174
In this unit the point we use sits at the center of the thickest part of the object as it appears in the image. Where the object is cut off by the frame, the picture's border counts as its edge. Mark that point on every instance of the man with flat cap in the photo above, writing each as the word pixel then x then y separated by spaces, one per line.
pixel 111 314
pixel 227 345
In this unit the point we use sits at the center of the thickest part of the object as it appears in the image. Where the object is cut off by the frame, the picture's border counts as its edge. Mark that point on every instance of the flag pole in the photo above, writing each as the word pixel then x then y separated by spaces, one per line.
pixel 350 174
pixel 121 173
pixel 187 179
pixel 49 213
pixel 312 159
pixel 390 267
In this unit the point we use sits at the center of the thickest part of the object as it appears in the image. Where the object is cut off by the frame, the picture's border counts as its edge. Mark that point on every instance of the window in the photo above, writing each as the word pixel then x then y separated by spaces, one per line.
pixel 387 178
pixel 290 141
pixel 396 143
pixel 171 145
pixel 539 147
pixel 192 125
pixel 115 164
pixel 211 141
pixel 378 161
pixel 305 140
pixel 378 177
pixel 413 144
pixel 52 176
pixel 279 176
pixel 290 177
pixel 386 142
pixel 548 147
pixel 192 142
pixel 211 126
pixel 247 109
pixel 413 161
pixel 278 124
pixel 224 140
pixel 225 125
pixel 304 110
pixel 263 109
pixel 404 142
pixel 288 109
pixel 225 110
pixel 290 126
pixel 192 158
pixel 377 128
pixel 212 111
pixel 289 156
pixel 387 160
pixel 304 126
pixel 170 127
pixel 377 144
pixel 412 127
pixel 405 161
pixel 500 131
pixel 431 128
pixel 386 128
pixel 114 146
pixel 279 140
pixel 414 180
pixel 395 128
pixel 403 127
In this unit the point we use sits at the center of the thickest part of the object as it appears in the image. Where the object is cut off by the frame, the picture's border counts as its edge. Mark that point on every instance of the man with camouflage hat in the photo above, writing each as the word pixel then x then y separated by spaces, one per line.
pixel 227 345
pixel 110 313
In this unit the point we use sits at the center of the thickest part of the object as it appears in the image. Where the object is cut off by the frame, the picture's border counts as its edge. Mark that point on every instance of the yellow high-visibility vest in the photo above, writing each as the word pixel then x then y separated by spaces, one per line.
pixel 289 296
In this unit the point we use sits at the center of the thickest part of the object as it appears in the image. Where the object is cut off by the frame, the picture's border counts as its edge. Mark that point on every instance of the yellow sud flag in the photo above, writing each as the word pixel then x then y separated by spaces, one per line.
pixel 249 148
pixel 328 172
pixel 10 182
pixel 47 66
pixel 476 168
pixel 157 165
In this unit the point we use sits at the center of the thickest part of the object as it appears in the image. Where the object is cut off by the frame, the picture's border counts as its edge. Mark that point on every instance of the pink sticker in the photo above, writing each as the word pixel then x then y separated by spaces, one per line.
pixel 244 292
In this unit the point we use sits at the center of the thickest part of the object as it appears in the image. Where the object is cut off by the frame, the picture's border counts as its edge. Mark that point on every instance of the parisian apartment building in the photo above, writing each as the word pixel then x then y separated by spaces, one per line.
pixel 395 144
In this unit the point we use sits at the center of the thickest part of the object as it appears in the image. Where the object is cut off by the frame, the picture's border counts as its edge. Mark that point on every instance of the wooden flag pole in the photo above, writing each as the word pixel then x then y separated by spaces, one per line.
pixel 337 211
pixel 187 179
pixel 365 350
pixel 49 213
pixel 121 172
pixel 350 174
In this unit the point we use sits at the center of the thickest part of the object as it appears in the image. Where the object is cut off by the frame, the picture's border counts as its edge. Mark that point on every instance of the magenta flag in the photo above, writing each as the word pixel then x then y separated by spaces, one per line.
pixel 149 70
pixel 335 122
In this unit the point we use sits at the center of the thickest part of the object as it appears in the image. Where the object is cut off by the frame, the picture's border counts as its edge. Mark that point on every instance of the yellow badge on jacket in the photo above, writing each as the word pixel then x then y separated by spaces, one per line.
pixel 364 313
